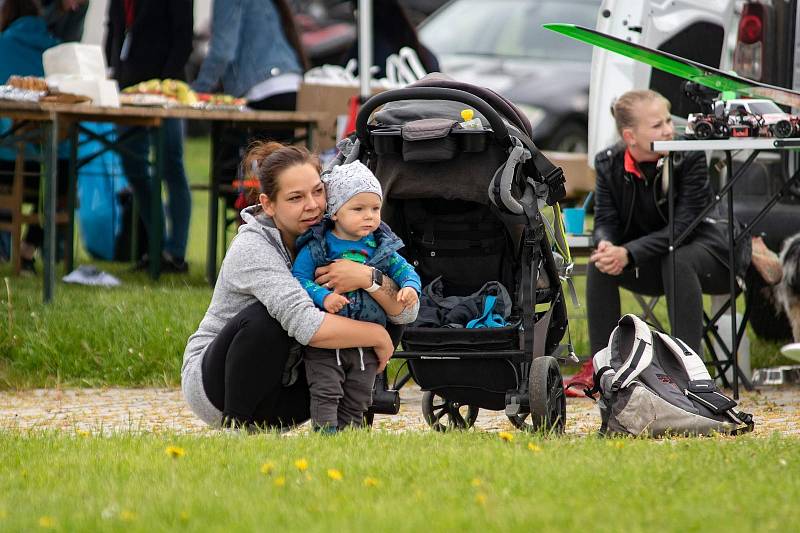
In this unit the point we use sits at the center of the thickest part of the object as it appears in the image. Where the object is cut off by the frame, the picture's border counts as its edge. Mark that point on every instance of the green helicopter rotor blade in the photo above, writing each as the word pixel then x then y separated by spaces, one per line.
pixel 678 66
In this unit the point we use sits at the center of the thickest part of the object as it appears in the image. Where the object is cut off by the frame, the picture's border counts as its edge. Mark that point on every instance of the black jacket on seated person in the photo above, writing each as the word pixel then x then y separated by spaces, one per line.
pixel 160 40
pixel 633 210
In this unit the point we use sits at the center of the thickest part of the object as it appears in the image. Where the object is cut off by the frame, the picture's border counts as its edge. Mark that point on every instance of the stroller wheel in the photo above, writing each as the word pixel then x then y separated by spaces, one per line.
pixel 546 389
pixel 444 415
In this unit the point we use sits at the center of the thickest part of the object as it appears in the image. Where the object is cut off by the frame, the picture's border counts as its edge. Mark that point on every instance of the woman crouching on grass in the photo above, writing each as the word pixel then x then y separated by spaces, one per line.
pixel 241 368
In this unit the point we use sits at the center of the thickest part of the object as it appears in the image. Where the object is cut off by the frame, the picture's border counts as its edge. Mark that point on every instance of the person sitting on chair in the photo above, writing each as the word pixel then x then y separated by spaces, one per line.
pixel 631 226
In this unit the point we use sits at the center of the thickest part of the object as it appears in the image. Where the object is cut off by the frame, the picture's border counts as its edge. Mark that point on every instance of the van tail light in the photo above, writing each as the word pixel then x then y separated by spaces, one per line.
pixel 748 58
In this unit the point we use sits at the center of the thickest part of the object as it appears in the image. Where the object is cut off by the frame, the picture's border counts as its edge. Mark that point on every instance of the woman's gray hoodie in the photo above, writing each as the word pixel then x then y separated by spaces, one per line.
pixel 257 267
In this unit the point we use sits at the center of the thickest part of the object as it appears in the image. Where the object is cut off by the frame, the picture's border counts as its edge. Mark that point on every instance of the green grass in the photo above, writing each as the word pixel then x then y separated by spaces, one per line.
pixel 130 335
pixel 423 481
pixel 135 334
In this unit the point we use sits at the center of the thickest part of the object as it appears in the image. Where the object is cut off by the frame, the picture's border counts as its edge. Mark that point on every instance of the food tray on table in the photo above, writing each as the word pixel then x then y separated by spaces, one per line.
pixel 9 92
pixel 146 100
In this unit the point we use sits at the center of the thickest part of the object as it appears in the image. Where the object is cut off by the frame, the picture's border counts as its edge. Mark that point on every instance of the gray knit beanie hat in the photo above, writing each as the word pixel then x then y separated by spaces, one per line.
pixel 345 181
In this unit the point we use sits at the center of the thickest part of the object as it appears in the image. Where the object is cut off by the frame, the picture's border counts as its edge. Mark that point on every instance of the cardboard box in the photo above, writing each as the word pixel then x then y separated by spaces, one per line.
pixel 580 176
pixel 332 100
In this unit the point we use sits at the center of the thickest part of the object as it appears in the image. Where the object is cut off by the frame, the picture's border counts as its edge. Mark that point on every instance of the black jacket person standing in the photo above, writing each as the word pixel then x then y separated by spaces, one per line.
pixel 152 39
pixel 149 39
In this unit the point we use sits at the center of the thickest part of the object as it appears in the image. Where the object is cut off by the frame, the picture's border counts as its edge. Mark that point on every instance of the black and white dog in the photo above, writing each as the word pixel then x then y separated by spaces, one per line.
pixel 788 290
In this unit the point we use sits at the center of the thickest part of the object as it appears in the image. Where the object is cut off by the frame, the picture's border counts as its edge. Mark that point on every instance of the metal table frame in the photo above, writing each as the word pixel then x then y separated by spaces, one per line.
pixel 50 117
pixel 26 113
pixel 728 146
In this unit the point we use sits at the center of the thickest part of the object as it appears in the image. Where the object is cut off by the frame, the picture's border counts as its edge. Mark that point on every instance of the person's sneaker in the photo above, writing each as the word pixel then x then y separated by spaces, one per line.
pixel 28 267
pixel 234 425
pixel 327 429
pixel 792 351
pixel 169 264
pixel 173 265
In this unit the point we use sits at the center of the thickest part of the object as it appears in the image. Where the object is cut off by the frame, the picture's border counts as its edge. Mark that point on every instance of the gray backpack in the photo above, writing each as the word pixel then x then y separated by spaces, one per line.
pixel 653 384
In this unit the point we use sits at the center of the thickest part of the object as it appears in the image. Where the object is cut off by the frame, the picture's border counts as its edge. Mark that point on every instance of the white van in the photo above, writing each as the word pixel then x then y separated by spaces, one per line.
pixel 756 39
pixel 701 30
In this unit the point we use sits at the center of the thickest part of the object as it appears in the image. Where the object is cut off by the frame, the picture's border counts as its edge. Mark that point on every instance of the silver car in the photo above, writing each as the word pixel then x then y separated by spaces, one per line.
pixel 501 45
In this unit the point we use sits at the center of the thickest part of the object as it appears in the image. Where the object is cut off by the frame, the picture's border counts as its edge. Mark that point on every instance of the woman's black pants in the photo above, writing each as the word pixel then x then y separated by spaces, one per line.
pixel 242 371
pixel 243 368
pixel 698 272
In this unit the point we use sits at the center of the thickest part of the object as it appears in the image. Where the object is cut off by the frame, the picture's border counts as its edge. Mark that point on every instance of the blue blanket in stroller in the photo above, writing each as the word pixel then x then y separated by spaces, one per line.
pixel 489 306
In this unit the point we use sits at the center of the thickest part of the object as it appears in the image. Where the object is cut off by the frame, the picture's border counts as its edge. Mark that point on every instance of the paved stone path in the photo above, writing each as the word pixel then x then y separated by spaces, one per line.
pixel 146 410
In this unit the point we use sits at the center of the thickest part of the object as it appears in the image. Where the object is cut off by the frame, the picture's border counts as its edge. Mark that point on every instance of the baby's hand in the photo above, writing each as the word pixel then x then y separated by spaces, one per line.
pixel 407 296
pixel 334 303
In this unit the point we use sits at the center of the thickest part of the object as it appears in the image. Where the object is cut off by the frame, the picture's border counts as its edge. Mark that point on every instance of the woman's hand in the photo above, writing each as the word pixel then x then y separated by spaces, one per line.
pixel 384 350
pixel 344 276
pixel 610 259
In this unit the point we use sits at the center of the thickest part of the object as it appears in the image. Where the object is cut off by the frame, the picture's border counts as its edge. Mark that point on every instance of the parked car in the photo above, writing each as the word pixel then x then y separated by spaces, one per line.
pixel 502 45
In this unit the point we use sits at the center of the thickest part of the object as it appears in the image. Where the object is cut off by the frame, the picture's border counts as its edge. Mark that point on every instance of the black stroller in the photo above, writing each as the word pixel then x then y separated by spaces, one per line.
pixel 466 204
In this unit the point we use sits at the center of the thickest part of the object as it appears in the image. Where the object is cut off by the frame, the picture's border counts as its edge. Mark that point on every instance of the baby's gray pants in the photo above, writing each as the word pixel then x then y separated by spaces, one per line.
pixel 340 393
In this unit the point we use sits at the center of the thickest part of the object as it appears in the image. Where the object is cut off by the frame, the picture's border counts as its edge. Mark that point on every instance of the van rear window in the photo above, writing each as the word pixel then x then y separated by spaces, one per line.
pixel 701 42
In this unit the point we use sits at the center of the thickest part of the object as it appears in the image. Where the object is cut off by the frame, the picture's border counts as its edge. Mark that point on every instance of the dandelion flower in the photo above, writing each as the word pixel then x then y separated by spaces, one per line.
pixel 184 516
pixel 535 448
pixel 506 436
pixel 175 451
pixel 127 516
pixel 267 469
pixel 47 522
pixel 82 433
pixel 618 444
pixel 476 482
pixel 334 474
pixel 280 481
pixel 480 498
pixel 301 464
pixel 370 482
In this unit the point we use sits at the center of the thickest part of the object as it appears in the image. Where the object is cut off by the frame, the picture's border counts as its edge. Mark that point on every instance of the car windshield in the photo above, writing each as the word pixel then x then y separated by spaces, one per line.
pixel 509 28
pixel 764 108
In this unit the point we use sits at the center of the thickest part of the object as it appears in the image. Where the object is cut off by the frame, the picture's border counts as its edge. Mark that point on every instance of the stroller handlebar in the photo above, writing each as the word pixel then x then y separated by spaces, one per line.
pixel 430 93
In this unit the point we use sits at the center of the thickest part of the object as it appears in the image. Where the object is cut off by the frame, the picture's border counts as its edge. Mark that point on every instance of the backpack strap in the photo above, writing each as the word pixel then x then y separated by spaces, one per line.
pixel 641 353
pixel 702 389
pixel 744 420
pixel 691 362
pixel 596 379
